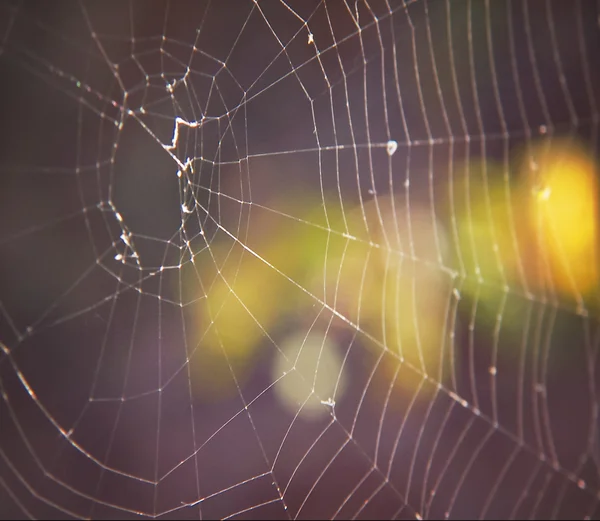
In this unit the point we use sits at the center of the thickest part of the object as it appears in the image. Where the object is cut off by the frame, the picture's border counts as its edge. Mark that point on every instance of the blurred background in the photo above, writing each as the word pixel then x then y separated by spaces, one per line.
pixel 299 259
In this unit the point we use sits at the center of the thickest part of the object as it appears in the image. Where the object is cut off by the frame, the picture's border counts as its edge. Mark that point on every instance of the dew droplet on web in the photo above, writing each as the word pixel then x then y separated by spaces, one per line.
pixel 330 402
pixel 392 146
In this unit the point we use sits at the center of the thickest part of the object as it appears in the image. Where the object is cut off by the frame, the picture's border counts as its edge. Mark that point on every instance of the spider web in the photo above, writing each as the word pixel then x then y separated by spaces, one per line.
pixel 236 275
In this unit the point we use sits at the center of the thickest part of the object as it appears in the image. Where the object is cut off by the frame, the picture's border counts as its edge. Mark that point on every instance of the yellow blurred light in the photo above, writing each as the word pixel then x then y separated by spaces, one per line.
pixel 230 319
pixel 493 242
pixel 563 216
pixel 247 290
pixel 383 276
pixel 487 215
pixel 391 284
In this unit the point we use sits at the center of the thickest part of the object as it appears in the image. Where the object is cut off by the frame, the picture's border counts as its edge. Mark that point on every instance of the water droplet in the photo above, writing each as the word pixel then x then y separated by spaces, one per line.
pixel 392 146
pixel 330 402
